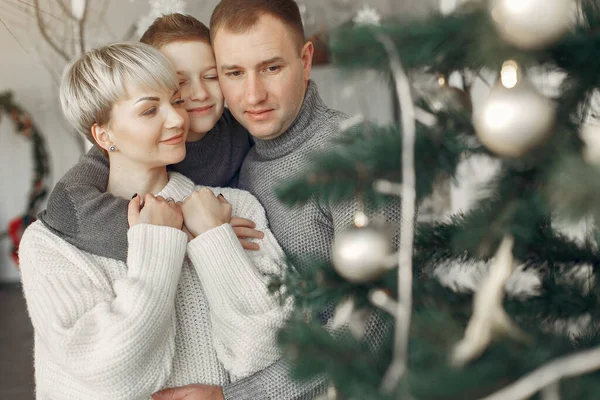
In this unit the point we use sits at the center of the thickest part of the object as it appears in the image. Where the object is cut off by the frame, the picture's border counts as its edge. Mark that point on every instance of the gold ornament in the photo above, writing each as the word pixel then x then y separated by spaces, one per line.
pixel 360 253
pixel 532 24
pixel 515 117
pixel 446 98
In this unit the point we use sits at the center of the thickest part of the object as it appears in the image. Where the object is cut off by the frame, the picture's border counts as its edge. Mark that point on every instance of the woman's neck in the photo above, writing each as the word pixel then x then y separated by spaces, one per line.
pixel 126 179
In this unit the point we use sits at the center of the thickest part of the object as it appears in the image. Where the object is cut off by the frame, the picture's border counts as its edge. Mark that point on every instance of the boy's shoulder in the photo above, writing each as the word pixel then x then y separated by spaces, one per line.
pixel 75 193
pixel 91 170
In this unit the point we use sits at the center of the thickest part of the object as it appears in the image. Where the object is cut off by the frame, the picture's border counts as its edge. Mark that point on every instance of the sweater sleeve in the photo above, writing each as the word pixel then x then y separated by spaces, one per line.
pixel 80 211
pixel 114 337
pixel 245 316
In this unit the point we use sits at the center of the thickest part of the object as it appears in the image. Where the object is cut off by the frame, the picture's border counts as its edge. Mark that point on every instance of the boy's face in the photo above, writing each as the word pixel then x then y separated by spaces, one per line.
pixel 197 72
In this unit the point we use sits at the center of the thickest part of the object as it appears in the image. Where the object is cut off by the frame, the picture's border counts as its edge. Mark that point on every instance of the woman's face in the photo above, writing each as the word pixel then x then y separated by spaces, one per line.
pixel 196 69
pixel 149 127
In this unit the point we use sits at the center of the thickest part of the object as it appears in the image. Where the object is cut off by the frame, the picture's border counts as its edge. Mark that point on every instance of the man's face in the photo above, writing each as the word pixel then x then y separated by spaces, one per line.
pixel 263 75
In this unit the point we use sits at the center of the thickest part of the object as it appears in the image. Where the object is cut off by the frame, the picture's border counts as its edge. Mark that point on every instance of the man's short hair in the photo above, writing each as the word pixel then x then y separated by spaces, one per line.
pixel 93 82
pixel 175 28
pixel 239 16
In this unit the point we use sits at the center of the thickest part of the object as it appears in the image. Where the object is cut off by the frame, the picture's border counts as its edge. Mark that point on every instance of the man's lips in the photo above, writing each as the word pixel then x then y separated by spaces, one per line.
pixel 258 115
pixel 173 140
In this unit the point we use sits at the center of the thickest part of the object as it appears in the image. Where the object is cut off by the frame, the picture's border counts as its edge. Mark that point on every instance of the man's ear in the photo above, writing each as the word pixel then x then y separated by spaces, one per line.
pixel 306 55
pixel 101 136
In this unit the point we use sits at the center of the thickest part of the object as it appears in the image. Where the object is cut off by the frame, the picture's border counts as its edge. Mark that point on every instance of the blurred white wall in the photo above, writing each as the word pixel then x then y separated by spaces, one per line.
pixel 23 72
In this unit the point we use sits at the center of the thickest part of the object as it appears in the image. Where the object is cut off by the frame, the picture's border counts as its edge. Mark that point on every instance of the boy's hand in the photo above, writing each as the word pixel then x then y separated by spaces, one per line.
pixel 244 229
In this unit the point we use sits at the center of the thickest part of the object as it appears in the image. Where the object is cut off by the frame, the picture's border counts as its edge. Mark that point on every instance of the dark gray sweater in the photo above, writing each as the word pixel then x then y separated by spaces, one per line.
pixel 81 212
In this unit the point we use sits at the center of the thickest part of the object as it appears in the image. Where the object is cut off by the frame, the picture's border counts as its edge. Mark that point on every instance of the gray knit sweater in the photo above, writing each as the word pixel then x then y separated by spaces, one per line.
pixel 81 212
pixel 304 232
pixel 308 230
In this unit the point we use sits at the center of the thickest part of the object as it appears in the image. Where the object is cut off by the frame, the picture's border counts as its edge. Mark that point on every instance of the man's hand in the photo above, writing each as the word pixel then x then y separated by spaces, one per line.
pixel 191 392
pixel 244 229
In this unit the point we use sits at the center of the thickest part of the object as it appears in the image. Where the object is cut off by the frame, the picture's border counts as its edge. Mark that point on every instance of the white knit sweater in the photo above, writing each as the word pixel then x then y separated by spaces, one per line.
pixel 109 330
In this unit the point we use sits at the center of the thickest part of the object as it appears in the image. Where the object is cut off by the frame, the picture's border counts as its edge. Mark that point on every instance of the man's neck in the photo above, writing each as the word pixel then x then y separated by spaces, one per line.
pixel 310 113
pixel 125 179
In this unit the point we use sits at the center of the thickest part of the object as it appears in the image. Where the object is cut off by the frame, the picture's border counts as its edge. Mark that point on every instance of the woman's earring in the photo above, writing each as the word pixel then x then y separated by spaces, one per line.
pixel 112 148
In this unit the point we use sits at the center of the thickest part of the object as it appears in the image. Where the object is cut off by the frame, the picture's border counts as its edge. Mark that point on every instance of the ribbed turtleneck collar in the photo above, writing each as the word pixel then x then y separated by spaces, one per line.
pixel 299 132
pixel 197 152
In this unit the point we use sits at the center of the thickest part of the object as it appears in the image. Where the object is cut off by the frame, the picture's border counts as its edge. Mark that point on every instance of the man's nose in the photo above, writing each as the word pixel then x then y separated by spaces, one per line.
pixel 256 91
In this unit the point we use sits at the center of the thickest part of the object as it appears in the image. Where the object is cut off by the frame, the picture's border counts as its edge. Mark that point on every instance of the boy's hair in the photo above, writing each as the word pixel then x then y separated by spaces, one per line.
pixel 239 16
pixel 175 28
pixel 93 82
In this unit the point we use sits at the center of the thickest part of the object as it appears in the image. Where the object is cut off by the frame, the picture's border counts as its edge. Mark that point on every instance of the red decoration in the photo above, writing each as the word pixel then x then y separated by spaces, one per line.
pixel 16 228
pixel 39 189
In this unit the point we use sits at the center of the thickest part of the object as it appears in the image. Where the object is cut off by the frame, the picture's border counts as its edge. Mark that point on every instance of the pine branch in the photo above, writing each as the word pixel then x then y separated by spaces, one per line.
pixel 368 153
pixel 569 366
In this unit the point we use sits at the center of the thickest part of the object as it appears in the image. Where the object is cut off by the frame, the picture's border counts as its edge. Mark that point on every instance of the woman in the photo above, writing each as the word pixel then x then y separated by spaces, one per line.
pixel 176 312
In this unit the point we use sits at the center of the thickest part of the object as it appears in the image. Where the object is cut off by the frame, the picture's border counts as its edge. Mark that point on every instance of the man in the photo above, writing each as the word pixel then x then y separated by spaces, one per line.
pixel 264 66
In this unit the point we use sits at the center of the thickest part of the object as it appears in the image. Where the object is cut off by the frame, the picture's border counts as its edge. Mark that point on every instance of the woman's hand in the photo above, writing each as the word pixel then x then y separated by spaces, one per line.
pixel 154 211
pixel 203 211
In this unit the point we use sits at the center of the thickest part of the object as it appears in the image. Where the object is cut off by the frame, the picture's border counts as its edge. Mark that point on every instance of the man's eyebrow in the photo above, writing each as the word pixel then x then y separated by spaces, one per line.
pixel 261 64
pixel 271 61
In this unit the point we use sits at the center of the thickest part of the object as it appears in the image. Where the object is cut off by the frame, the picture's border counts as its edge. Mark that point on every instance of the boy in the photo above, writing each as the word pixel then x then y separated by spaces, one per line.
pixel 217 145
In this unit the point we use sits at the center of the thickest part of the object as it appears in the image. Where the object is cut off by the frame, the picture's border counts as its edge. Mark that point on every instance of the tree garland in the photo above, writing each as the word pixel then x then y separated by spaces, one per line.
pixel 41 171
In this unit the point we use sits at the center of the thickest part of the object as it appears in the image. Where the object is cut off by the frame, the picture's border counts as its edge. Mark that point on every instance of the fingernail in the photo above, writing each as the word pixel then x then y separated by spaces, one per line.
pixel 220 195
pixel 262 235
pixel 133 197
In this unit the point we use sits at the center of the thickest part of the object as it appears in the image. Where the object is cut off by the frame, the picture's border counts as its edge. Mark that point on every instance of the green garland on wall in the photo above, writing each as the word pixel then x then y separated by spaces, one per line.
pixel 39 186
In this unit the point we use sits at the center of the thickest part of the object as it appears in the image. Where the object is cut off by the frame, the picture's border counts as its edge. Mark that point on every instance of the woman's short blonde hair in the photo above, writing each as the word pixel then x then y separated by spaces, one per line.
pixel 95 81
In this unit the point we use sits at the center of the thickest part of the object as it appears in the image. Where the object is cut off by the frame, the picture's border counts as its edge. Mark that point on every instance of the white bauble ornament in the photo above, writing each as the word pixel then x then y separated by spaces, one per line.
pixel 590 134
pixel 514 119
pixel 360 253
pixel 532 24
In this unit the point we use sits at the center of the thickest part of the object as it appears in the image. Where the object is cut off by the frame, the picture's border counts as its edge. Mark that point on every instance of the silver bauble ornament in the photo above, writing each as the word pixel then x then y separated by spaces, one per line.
pixel 360 253
pixel 590 134
pixel 532 24
pixel 514 119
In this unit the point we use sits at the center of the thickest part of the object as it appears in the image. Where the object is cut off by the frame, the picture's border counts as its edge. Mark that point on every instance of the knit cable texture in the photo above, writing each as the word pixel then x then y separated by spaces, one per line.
pixel 108 329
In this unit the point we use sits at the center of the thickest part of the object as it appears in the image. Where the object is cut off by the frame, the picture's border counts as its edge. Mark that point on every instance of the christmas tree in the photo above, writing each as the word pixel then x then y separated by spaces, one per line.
pixel 443 342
